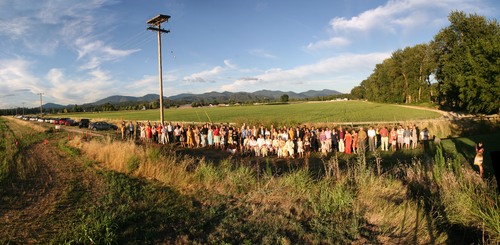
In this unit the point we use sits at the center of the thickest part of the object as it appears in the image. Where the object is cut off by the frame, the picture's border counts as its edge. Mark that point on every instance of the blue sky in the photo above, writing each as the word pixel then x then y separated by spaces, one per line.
pixel 77 52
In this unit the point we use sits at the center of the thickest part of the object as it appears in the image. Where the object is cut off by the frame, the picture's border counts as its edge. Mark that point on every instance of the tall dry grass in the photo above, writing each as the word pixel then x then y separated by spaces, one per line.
pixel 137 160
pixel 405 205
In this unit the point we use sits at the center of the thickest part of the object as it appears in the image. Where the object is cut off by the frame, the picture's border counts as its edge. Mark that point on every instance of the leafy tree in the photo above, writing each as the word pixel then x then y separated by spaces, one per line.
pixel 284 98
pixel 358 92
pixel 468 57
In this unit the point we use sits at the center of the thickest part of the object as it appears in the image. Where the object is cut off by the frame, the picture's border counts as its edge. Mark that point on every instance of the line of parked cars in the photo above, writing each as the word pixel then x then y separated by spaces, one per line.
pixel 83 123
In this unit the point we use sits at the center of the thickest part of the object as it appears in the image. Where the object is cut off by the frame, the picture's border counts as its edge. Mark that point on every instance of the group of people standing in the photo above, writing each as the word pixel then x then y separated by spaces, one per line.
pixel 283 141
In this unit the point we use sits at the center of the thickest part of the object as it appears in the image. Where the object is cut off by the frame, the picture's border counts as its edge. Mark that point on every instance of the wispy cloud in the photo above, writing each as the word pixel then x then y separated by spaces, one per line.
pixel 98 52
pixel 337 42
pixel 262 53
pixel 203 76
pixel 229 64
pixel 14 28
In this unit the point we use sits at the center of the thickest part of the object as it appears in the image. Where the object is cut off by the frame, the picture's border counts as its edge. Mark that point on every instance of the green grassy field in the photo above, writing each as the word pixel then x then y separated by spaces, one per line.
pixel 465 148
pixel 320 112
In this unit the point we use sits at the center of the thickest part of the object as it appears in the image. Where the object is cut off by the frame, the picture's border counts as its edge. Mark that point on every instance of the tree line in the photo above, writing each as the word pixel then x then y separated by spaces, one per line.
pixel 459 69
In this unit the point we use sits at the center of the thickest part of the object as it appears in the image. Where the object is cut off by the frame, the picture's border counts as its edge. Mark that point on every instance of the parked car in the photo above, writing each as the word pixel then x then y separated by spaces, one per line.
pixel 84 123
pixel 63 120
pixel 71 122
pixel 102 126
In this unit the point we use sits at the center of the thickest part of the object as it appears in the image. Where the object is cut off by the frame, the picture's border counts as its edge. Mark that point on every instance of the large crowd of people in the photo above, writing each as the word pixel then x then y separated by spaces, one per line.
pixel 282 142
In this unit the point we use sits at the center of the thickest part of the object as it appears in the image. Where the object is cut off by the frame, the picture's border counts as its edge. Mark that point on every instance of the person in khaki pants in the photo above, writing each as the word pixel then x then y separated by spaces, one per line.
pixel 384 138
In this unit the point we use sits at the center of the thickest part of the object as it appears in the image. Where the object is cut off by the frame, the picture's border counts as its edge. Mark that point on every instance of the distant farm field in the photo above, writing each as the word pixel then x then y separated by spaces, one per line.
pixel 312 112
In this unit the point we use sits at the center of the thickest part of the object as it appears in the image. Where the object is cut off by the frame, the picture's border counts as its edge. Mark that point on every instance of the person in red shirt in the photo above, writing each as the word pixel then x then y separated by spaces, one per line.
pixel 384 137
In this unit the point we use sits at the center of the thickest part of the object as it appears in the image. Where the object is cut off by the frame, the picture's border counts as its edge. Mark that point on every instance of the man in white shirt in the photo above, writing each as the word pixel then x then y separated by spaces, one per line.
pixel 371 138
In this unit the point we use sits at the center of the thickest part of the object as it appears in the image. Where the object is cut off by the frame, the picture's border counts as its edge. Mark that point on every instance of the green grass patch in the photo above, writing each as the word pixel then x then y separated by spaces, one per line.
pixel 465 149
pixel 284 114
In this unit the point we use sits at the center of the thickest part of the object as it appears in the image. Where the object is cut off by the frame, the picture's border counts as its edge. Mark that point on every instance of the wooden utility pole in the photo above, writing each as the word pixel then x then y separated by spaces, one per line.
pixel 155 25
pixel 41 109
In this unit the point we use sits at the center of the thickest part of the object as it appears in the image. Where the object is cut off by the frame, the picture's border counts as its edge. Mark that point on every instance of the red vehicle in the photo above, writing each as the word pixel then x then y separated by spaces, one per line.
pixel 62 121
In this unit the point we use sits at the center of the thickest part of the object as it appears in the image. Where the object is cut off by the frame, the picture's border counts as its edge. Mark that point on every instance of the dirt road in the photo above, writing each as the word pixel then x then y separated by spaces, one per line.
pixel 55 185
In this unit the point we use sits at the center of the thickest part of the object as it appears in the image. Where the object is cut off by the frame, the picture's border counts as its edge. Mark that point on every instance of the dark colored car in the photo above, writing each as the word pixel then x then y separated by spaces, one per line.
pixel 84 123
pixel 70 122
pixel 102 126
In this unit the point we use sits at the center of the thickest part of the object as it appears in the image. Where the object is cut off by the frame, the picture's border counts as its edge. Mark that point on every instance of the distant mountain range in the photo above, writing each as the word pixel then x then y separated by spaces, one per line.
pixel 207 97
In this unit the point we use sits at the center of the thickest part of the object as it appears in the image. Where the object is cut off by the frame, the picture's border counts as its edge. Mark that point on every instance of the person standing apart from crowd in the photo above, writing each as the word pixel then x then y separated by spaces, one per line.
pixel 384 138
pixel 371 138
pixel 478 160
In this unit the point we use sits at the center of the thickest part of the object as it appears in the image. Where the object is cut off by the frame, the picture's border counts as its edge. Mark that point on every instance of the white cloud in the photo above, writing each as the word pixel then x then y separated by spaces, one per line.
pixel 15 74
pixel 338 42
pixel 334 66
pixel 97 85
pixel 397 17
pixel 397 14
pixel 203 76
pixel 149 84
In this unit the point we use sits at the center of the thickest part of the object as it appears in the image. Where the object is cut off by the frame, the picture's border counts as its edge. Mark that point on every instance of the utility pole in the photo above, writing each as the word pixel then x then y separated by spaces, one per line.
pixel 23 109
pixel 41 109
pixel 155 25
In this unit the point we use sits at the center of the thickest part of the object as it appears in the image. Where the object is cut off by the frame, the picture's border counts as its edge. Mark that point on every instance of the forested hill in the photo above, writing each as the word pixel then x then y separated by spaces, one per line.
pixel 458 70
pixel 150 101
pixel 221 97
